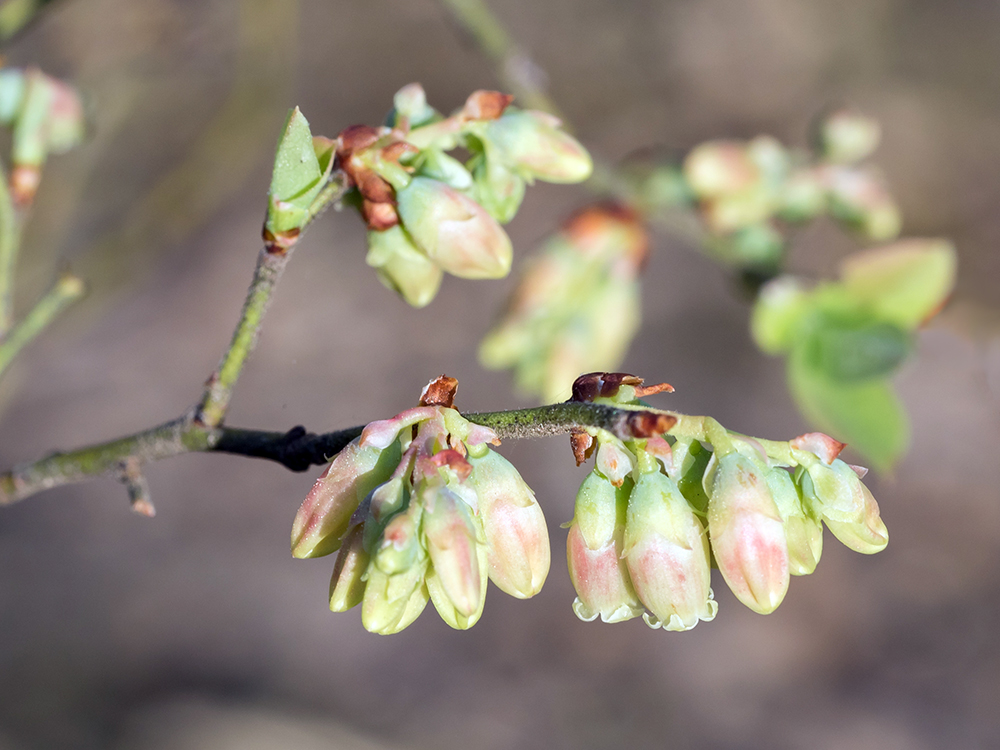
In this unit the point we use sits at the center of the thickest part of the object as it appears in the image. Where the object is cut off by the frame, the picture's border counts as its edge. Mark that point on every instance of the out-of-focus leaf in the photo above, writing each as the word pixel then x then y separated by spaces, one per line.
pixel 778 314
pixel 853 352
pixel 297 177
pixel 904 283
pixel 865 414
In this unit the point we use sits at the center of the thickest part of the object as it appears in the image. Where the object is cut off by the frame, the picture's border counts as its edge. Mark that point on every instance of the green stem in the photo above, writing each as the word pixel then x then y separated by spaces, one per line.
pixel 64 292
pixel 271 264
pixel 10 241
pixel 517 72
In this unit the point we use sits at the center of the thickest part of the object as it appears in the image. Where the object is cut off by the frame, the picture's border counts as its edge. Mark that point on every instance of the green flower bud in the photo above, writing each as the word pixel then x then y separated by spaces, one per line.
pixel 594 552
pixel 12 85
pixel 392 602
pixel 453 230
pixel 534 145
pixel 439 166
pixel 455 542
pixel 498 188
pixel 746 531
pixel 410 108
pixel 866 534
pixel 860 198
pixel 802 197
pixel 846 136
pixel 347 586
pixel 402 267
pixel 803 531
pixel 666 551
pixel 517 539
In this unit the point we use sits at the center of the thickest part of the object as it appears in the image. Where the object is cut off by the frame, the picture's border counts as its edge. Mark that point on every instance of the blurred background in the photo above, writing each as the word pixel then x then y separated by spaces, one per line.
pixel 197 629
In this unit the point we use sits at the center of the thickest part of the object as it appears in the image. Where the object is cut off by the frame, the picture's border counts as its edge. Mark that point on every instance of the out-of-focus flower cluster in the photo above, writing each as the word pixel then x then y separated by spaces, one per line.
pixel 45 116
pixel 748 193
pixel 421 508
pixel 654 516
pixel 429 213
pixel 576 306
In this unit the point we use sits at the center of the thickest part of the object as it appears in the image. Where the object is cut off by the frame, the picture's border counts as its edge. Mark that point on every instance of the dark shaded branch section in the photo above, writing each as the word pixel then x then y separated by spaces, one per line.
pixel 297 449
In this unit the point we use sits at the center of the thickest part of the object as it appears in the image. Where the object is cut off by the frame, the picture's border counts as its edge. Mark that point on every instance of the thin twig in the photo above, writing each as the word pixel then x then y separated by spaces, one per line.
pixel 10 241
pixel 67 289
pixel 517 71
pixel 297 449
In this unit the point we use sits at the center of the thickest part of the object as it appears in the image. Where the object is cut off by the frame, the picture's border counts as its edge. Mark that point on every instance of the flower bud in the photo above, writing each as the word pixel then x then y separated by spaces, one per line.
pixel 594 553
pixel 456 580
pixel 666 551
pixel 803 531
pixel 392 602
pixel 410 108
pixel 866 534
pixel 395 583
pixel 517 540
pixel 746 532
pixel 498 188
pixel 533 144
pixel 326 512
pixel 846 136
pixel 718 168
pixel 453 230
pixel 860 198
pixel 347 586
pixel 614 460
pixel 402 267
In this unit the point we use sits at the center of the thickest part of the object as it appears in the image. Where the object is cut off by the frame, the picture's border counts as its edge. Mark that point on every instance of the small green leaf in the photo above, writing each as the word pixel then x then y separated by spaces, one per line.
pixel 297 177
pixel 778 314
pixel 906 282
pixel 865 414
pixel 855 351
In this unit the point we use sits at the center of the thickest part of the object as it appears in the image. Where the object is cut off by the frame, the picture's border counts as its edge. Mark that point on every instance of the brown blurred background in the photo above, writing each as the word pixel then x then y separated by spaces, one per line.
pixel 197 630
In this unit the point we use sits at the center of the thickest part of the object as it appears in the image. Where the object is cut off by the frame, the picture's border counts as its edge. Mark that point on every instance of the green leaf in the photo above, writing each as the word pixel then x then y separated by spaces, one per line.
pixel 906 282
pixel 297 177
pixel 867 415
pixel 852 351
pixel 778 314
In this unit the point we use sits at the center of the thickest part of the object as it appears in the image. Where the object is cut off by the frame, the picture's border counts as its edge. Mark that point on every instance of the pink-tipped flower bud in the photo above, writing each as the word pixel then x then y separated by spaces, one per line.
pixel 666 551
pixel 719 168
pixel 347 586
pixel 594 553
pixel 325 514
pixel 517 539
pixel 453 230
pixel 455 542
pixel 534 145
pixel 747 535
pixel 803 530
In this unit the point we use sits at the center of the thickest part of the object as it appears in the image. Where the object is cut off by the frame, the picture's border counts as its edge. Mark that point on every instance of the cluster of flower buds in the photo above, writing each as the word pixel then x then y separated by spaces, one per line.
pixel 749 192
pixel 421 508
pixel 427 212
pixel 655 515
pixel 45 116
pixel 576 306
